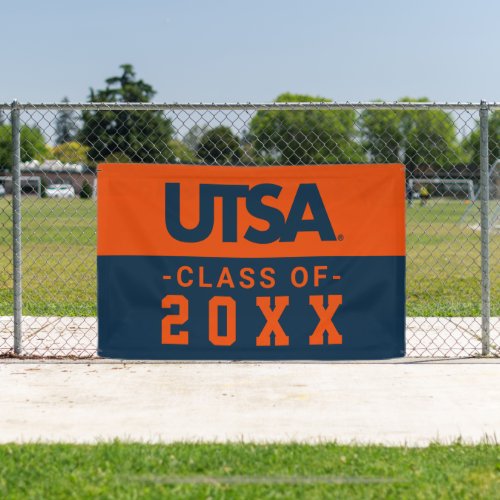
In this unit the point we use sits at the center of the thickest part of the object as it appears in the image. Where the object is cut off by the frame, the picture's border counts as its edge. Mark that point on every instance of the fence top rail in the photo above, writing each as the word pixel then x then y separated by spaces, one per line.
pixel 293 106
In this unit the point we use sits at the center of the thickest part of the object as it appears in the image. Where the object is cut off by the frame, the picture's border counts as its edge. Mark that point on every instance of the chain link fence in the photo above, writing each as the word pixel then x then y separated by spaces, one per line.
pixel 48 188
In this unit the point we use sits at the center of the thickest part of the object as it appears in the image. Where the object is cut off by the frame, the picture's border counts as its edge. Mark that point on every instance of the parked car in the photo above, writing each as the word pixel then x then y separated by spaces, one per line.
pixel 2 191
pixel 60 191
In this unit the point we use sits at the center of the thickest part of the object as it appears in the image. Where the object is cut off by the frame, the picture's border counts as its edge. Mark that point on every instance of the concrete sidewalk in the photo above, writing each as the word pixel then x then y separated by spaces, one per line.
pixel 413 402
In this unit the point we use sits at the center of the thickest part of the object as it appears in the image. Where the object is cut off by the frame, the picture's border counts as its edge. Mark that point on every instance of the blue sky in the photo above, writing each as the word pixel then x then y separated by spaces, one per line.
pixel 232 50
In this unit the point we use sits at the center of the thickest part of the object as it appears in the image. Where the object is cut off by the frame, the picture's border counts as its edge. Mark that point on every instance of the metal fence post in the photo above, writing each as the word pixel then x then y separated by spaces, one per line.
pixel 16 224
pixel 485 229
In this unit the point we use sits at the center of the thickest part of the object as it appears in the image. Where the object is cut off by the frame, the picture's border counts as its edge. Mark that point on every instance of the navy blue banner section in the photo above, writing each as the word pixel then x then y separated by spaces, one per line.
pixel 187 308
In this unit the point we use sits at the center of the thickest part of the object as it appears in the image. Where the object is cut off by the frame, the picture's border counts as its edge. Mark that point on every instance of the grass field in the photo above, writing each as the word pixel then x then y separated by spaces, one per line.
pixel 59 272
pixel 118 470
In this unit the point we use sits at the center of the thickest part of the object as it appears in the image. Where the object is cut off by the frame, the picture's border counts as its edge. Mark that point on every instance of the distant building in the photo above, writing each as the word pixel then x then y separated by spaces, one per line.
pixel 56 172
pixel 53 166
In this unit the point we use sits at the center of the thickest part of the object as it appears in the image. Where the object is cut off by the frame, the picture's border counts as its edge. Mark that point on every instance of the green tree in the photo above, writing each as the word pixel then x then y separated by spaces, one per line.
pixel 87 191
pixel 382 134
pixel 33 145
pixel 71 152
pixel 66 127
pixel 117 157
pixel 302 137
pixel 219 146
pixel 142 136
pixel 193 136
pixel 43 187
pixel 471 143
pixel 413 137
pixel 430 139
pixel 181 152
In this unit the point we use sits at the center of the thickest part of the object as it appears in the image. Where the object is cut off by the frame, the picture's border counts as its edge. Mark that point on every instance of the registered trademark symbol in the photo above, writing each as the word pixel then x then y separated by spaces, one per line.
pixel 340 237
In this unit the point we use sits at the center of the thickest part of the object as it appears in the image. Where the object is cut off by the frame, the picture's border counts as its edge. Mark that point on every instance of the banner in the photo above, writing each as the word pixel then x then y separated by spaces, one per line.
pixel 251 263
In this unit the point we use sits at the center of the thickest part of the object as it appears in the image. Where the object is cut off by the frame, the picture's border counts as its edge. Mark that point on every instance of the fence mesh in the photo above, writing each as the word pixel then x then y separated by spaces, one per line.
pixel 61 146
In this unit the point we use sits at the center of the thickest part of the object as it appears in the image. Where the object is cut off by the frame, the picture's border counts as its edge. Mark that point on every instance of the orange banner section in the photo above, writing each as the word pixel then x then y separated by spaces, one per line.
pixel 281 207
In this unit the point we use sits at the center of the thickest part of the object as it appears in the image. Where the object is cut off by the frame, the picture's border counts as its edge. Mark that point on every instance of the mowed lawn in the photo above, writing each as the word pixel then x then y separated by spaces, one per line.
pixel 117 470
pixel 59 263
